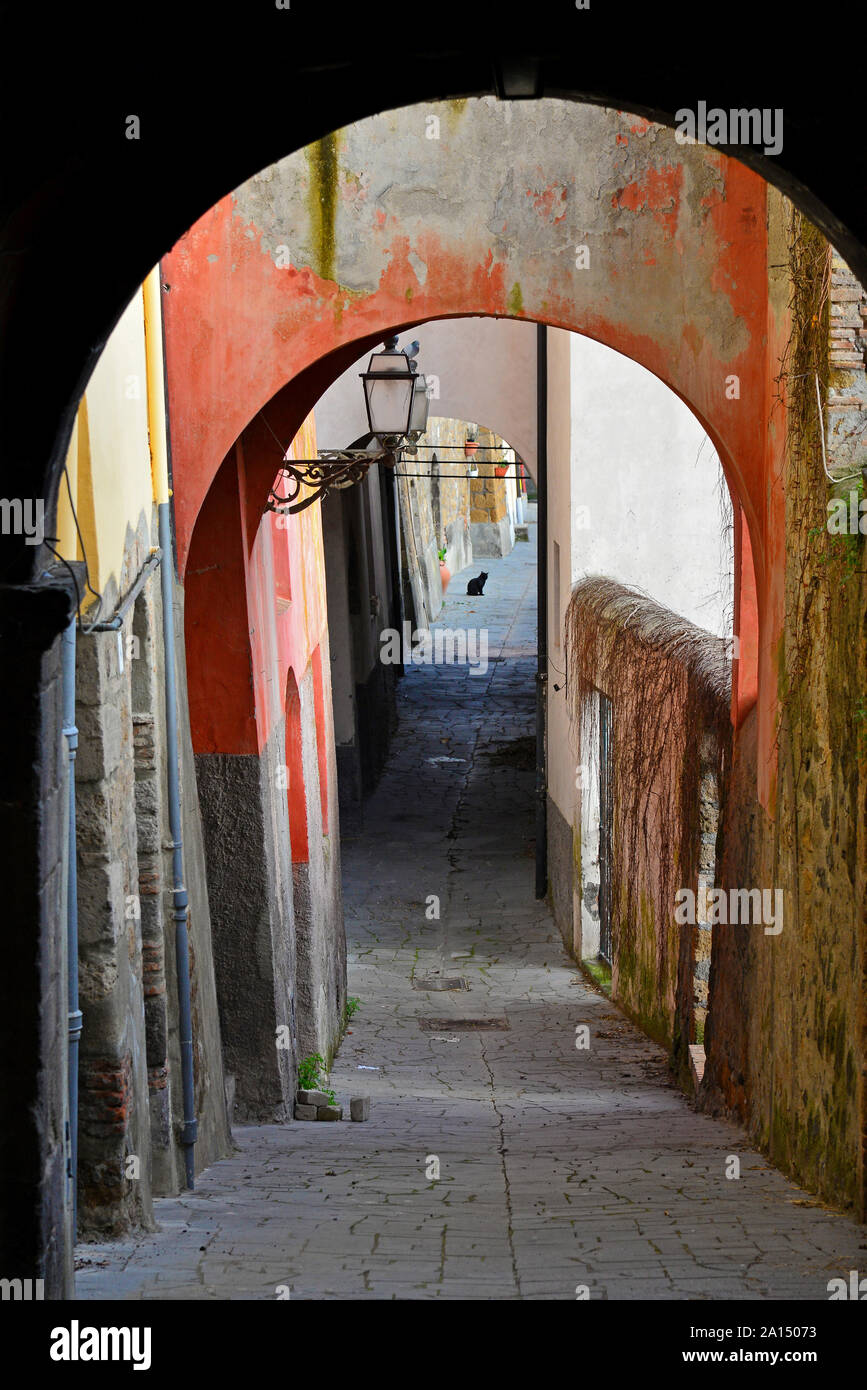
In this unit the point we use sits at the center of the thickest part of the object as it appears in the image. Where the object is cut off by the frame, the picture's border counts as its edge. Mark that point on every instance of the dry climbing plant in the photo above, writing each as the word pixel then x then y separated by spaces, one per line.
pixel 669 683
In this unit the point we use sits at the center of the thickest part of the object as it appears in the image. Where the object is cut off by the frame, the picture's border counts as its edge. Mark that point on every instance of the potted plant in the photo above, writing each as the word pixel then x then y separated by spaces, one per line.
pixel 471 443
pixel 500 469
pixel 445 573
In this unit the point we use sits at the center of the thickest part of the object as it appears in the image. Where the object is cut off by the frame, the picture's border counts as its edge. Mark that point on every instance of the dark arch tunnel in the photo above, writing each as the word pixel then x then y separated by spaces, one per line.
pixel 85 213
pixel 221 96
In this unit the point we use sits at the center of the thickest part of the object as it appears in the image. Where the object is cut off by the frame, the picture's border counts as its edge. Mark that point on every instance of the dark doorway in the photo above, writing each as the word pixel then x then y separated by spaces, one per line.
pixel 606 822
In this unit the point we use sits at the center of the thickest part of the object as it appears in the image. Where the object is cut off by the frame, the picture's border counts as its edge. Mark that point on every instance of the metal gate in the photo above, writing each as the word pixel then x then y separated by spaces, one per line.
pixel 606 823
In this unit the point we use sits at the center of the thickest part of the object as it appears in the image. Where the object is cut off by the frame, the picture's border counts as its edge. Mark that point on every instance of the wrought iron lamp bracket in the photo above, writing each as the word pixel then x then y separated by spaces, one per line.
pixel 333 468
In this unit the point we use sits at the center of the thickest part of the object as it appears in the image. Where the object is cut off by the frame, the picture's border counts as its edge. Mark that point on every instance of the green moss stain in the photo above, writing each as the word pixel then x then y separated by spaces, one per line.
pixel 454 111
pixel 599 972
pixel 516 299
pixel 322 202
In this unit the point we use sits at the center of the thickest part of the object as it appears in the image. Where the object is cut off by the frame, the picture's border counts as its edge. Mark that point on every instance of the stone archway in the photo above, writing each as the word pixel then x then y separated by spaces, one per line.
pixel 582 218
pixel 676 256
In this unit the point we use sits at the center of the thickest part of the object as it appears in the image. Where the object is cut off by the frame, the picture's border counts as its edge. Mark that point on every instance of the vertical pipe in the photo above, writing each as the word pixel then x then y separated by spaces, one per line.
pixel 74 1016
pixel 541 609
pixel 180 901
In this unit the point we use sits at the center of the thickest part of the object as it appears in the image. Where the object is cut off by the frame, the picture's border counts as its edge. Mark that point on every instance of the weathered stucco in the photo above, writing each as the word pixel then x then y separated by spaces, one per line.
pixel 785 1049
pixel 488 219
pixel 280 287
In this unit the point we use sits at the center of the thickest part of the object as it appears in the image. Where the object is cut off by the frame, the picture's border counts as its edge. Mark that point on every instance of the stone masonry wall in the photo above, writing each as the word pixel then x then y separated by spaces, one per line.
pixel 467 515
pixel 667 681
pixel 785 1049
pixel 114 1118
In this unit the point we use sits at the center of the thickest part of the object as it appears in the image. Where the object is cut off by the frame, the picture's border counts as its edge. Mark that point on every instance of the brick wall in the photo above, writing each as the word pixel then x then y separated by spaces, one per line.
pixel 846 406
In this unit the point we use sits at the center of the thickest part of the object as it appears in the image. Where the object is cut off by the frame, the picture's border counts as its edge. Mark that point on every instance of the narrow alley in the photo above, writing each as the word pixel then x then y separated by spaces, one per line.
pixel 501 1160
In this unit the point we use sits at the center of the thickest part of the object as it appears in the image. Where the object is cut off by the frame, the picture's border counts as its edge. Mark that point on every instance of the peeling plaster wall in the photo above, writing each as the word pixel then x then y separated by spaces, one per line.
pixel 317 895
pixel 377 228
pixel 786 1029
pixel 256 613
pixel 485 220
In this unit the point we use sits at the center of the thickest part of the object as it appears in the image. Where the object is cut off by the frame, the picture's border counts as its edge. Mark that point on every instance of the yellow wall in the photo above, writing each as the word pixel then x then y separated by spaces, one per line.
pixel 109 459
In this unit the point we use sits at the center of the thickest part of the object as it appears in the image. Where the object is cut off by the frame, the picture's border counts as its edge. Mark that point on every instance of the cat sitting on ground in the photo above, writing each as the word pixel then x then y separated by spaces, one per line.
pixel 477 586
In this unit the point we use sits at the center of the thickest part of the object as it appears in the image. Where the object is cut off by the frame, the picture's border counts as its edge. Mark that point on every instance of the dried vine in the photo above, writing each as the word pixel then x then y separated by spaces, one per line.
pixel 669 683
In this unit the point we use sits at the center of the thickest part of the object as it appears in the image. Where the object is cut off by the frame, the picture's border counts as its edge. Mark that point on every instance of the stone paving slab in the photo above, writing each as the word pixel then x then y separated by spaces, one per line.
pixel 557 1167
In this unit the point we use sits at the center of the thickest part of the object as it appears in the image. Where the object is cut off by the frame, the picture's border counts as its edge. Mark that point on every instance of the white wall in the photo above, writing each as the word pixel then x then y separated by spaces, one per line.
pixel 648 475
pixel 561 762
pixel 634 494
pixel 486 370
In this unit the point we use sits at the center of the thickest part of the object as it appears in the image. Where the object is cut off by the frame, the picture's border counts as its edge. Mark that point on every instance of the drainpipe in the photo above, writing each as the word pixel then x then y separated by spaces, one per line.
pixel 180 901
pixel 74 1017
pixel 541 608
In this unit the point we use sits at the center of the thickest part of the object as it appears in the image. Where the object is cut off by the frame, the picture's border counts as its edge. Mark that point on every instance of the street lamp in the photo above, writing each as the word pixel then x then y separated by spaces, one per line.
pixel 418 414
pixel 397 402
pixel 390 394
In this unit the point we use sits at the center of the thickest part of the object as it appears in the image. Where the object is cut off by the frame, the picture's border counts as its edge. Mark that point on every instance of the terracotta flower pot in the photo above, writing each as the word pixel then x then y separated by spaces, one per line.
pixel 470 447
pixel 501 470
pixel 445 575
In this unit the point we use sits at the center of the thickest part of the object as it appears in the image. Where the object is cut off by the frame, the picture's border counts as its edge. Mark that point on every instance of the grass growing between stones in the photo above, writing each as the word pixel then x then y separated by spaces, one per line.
pixel 600 973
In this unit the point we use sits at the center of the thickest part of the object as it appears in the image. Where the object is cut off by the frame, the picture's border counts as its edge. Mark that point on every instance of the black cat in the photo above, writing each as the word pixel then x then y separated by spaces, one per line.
pixel 477 586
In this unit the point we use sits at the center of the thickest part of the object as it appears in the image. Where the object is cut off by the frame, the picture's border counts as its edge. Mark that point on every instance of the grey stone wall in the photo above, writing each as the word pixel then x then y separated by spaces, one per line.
pixel 360 607
pixel 151 822
pixel 253 954
pixel 114 1178
pixel 34 1191
pixel 561 872
pixel 214 1134
pixel 131 1098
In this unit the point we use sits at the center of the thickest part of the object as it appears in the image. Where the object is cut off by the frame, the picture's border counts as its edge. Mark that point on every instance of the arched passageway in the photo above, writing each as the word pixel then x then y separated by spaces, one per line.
pixel 667 253
pixel 579 218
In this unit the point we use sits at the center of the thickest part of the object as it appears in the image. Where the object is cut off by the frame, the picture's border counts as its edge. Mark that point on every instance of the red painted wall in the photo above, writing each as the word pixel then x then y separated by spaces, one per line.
pixel 255 605
pixel 239 328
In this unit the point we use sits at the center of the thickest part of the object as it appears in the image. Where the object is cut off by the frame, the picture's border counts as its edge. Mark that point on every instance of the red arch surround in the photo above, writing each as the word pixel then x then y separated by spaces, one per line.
pixel 685 239
pixel 295 789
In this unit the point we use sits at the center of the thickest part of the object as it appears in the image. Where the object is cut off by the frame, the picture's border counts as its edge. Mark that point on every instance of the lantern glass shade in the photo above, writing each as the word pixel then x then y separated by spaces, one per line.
pixel 420 406
pixel 389 393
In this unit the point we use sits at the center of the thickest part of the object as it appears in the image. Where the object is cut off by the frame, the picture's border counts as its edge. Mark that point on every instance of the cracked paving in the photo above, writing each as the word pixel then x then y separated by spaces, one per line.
pixel 558 1168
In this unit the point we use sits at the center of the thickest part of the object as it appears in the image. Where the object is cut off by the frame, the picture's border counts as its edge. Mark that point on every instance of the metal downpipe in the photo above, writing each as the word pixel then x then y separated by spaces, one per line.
pixel 180 901
pixel 541 610
pixel 74 1016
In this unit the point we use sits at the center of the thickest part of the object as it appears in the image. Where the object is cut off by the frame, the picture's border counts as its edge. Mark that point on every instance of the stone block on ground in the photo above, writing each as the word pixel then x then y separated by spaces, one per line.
pixel 312 1098
pixel 359 1108
pixel 305 1112
pixel 329 1112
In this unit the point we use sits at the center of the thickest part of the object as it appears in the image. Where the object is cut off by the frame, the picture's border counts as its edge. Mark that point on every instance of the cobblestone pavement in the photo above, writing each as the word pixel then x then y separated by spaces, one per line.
pixel 557 1167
